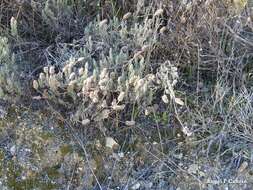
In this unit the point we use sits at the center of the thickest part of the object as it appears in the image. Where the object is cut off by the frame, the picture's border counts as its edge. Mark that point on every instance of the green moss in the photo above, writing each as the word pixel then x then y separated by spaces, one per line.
pixel 33 183
pixel 1 155
pixel 13 172
pixel 100 170
pixel 1 162
pixel 65 149
pixel 38 149
pixel 14 182
pixel 52 172
pixel 46 136
pixel 161 118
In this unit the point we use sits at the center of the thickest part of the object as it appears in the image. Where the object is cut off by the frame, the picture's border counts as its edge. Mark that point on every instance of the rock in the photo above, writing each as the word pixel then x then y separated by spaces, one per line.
pixel 110 143
pixel 130 123
pixel 121 154
pixel 136 186
pixel 13 150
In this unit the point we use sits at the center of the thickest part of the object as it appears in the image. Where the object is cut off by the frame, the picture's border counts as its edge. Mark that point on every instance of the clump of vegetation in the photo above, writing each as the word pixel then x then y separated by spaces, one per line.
pixel 106 77
pixel 9 82
pixel 158 87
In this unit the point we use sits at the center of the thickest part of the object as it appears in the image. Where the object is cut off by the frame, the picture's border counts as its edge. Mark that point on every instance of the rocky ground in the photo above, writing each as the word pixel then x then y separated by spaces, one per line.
pixel 38 151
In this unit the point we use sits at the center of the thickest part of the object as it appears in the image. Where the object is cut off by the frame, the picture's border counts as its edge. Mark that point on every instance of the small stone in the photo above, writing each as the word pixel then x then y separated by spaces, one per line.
pixel 13 150
pixel 85 122
pixel 130 123
pixel 110 142
pixel 136 186
pixel 121 154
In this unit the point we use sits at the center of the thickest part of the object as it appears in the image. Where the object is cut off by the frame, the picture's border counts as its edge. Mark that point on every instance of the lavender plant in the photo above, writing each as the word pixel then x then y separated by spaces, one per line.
pixel 9 83
pixel 111 73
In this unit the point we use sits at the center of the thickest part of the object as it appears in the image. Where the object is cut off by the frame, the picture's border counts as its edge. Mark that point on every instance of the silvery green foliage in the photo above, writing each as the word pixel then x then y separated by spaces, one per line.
pixel 167 77
pixel 111 73
pixel 9 85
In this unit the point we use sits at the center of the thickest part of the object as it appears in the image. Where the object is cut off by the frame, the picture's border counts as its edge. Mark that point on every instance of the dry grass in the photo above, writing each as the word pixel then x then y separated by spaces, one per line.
pixel 192 122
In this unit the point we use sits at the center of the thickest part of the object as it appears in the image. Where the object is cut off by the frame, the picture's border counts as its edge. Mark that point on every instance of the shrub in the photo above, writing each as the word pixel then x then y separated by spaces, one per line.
pixel 10 86
pixel 111 74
